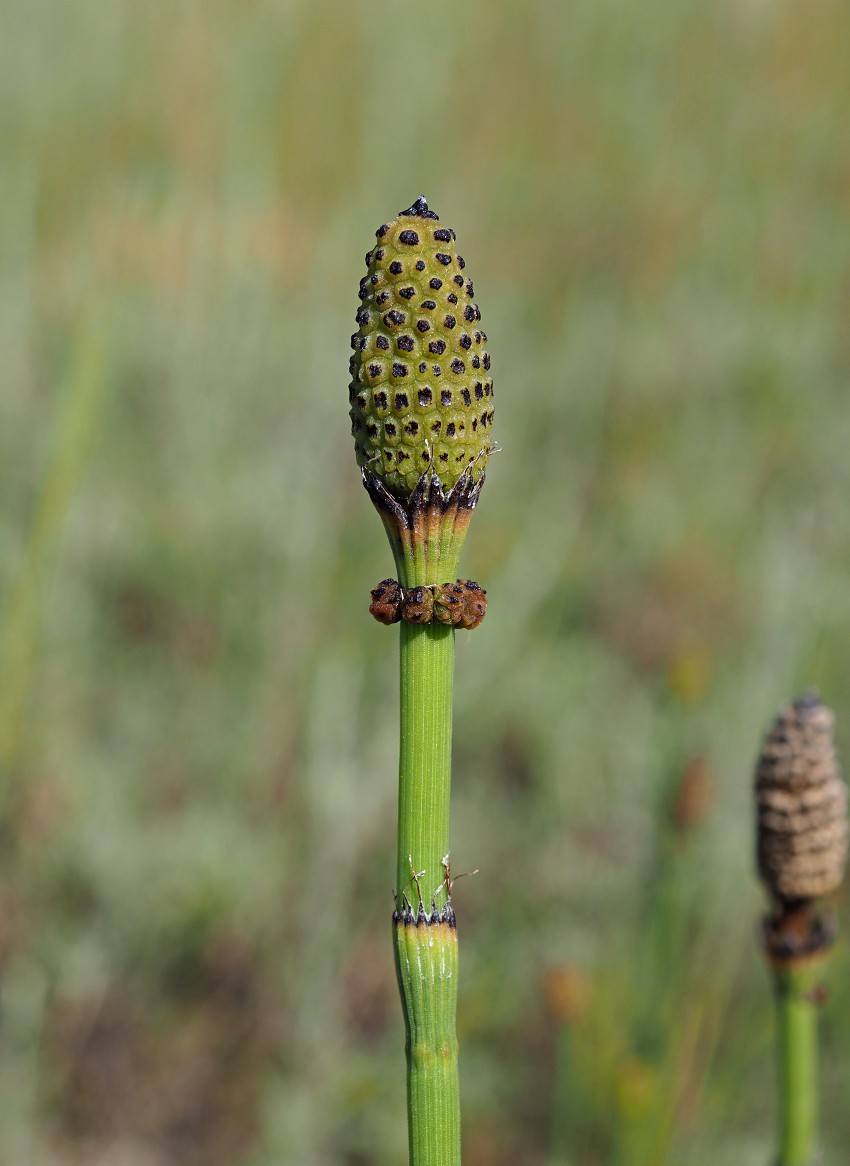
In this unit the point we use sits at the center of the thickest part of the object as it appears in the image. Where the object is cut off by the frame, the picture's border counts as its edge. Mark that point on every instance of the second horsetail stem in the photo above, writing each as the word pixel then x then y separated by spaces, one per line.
pixel 801 847
pixel 421 399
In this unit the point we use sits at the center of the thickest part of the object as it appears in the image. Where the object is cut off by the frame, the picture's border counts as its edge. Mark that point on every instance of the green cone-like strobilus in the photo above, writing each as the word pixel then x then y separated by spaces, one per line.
pixel 421 392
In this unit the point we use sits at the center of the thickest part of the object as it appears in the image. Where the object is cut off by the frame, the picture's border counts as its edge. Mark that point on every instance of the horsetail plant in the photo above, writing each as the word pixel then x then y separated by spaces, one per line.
pixel 801 844
pixel 421 411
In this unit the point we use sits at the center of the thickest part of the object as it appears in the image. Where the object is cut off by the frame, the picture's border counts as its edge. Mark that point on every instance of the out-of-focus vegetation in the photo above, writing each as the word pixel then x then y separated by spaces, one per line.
pixel 197 715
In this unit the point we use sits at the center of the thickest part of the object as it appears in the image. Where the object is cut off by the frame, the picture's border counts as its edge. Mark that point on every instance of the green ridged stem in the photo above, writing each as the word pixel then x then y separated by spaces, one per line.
pixel 796 1014
pixel 425 747
pixel 426 964
pixel 426 659
pixel 426 953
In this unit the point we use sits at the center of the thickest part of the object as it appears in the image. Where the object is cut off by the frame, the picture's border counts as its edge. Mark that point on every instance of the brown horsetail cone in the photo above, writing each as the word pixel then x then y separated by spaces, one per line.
pixel 801 804
pixel 421 393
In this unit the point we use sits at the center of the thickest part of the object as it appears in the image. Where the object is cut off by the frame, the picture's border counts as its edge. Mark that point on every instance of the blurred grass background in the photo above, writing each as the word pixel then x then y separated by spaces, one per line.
pixel 197 714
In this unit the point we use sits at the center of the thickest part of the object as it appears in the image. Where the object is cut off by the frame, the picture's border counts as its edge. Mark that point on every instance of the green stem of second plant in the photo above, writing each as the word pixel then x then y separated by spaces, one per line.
pixel 797 1048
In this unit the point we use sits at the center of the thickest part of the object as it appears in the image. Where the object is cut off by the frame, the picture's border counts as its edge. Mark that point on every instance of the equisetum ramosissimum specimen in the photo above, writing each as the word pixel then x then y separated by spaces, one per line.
pixel 421 400
pixel 801 846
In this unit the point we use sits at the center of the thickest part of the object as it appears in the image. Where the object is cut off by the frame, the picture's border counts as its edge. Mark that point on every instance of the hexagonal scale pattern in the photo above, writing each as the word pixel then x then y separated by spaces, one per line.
pixel 421 393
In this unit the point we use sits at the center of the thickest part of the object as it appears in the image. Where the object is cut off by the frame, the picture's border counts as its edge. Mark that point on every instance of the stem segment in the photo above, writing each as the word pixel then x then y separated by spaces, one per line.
pixel 427 664
pixel 426 962
pixel 797 1047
